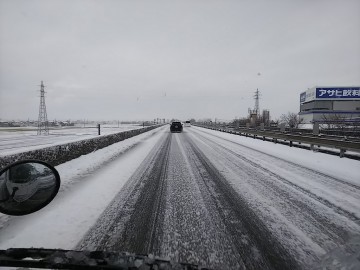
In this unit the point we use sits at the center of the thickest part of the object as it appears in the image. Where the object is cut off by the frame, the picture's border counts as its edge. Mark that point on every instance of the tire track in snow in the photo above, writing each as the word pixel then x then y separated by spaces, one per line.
pixel 145 224
pixel 193 229
pixel 310 175
pixel 328 177
pixel 326 230
pixel 256 244
pixel 173 224
pixel 128 222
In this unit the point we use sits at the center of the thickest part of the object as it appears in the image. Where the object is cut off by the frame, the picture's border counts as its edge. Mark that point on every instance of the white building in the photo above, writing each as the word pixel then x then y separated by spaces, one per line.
pixel 323 104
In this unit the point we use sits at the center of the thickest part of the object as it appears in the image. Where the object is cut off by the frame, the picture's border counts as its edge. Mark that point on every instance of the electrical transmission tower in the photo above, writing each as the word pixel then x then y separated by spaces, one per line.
pixel 257 97
pixel 43 125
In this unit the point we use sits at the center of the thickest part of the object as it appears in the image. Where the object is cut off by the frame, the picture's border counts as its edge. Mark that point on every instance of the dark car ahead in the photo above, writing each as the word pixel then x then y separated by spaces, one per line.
pixel 176 127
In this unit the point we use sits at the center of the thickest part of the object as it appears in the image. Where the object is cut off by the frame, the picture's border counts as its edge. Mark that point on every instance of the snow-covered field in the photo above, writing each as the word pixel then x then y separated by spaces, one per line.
pixel 206 197
pixel 16 140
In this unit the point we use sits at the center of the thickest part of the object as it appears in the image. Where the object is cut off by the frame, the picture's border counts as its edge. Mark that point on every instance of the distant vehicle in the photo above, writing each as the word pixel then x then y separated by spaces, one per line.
pixel 187 124
pixel 176 127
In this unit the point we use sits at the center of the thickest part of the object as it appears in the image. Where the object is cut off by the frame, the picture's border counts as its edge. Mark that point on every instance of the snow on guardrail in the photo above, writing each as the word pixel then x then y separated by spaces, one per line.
pixel 306 141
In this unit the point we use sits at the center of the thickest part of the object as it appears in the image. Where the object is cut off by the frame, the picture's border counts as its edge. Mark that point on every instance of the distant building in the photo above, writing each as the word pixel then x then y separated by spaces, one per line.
pixel 324 104
pixel 266 117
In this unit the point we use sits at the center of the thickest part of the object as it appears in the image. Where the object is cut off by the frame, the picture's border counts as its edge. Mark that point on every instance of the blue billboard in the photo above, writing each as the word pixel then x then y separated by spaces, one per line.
pixel 337 93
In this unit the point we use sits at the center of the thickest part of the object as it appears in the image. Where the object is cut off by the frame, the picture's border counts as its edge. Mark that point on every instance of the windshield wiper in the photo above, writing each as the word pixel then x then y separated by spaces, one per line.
pixel 70 259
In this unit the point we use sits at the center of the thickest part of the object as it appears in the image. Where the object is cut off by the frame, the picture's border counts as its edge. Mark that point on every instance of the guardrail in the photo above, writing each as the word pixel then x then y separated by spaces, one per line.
pixel 313 142
pixel 350 135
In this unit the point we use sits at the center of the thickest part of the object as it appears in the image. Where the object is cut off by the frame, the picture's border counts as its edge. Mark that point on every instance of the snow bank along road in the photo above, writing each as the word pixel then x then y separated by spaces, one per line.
pixel 205 197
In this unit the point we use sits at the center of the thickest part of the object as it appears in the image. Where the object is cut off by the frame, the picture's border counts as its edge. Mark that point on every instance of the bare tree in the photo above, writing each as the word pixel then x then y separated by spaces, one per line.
pixel 326 122
pixel 240 122
pixel 336 121
pixel 274 123
pixel 293 120
pixel 192 121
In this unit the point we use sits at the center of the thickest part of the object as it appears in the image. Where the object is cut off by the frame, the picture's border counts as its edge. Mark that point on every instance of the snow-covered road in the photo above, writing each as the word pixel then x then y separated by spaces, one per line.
pixel 205 197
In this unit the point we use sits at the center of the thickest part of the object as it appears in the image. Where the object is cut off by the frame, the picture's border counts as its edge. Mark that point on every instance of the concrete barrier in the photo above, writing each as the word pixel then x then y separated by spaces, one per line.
pixel 59 154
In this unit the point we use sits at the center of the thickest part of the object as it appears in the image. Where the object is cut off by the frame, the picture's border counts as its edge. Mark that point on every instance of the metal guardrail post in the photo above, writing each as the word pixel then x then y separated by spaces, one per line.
pixel 316 129
pixel 282 128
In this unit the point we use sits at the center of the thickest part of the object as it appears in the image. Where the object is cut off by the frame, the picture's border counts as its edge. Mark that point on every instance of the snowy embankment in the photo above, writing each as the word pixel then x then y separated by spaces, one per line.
pixel 61 153
pixel 20 139
pixel 89 183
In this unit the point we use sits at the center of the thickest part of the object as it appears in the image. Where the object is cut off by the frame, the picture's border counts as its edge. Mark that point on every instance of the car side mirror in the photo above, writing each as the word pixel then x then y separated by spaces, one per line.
pixel 27 186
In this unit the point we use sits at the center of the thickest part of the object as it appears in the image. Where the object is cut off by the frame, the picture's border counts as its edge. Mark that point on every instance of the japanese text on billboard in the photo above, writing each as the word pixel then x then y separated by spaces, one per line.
pixel 349 92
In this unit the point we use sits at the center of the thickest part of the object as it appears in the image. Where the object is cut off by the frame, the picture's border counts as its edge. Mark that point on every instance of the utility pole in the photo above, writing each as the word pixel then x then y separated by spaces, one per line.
pixel 43 125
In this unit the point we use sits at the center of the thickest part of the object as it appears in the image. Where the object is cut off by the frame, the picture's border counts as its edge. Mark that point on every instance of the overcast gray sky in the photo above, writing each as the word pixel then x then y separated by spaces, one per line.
pixel 172 59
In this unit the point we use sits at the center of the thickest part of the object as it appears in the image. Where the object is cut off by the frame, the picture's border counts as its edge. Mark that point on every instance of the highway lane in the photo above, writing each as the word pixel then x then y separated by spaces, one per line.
pixel 200 198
